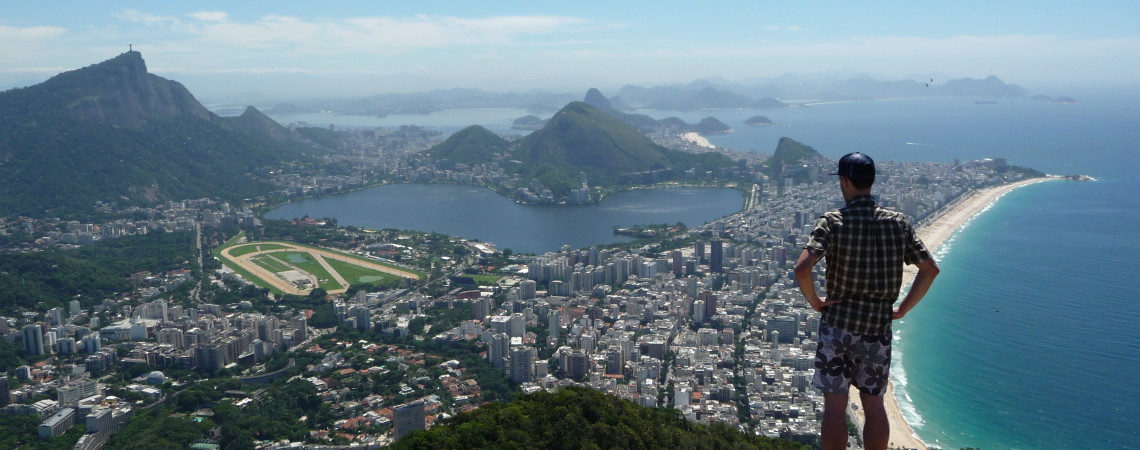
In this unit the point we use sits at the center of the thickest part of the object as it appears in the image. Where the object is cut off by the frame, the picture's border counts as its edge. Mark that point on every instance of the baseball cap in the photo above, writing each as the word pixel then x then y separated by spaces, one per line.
pixel 856 167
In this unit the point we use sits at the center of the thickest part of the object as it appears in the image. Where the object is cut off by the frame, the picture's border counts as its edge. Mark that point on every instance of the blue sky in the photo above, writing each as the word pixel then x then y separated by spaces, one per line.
pixel 368 47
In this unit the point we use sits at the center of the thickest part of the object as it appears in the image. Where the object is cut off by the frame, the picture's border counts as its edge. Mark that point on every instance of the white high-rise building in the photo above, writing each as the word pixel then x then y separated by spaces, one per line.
pixel 71 393
pixel 520 365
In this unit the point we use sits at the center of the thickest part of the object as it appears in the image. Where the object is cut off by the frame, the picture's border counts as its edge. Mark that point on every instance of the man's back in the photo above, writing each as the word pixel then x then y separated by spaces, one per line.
pixel 865 246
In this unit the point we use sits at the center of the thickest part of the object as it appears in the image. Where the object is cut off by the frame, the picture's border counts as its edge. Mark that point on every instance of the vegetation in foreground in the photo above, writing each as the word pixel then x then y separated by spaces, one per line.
pixel 580 418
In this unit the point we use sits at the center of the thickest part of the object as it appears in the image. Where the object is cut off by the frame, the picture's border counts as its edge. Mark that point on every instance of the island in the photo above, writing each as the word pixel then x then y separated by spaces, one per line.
pixel 758 121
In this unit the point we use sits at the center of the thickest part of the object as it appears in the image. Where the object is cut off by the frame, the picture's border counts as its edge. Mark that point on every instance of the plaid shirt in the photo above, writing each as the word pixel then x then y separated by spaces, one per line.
pixel 865 246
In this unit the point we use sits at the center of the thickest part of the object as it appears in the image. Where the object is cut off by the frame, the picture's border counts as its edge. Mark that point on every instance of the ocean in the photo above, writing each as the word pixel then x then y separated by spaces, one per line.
pixel 1028 338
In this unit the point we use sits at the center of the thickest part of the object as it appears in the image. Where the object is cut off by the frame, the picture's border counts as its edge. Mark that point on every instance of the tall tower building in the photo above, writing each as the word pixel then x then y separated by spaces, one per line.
pixel 5 391
pixel 554 323
pixel 497 351
pixel 33 339
pixel 520 364
pixel 578 365
pixel 527 289
pixel 408 417
pixel 710 303
pixel 56 316
pixel 614 362
pixel 716 258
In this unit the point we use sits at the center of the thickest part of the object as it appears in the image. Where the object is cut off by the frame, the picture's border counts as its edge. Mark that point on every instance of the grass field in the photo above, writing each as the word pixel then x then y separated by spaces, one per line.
pixel 360 275
pixel 270 263
pixel 306 262
pixel 285 256
pixel 485 279
pixel 246 249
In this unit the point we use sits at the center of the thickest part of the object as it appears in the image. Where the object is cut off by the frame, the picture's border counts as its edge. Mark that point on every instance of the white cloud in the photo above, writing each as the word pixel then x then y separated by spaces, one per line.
pixel 361 35
pixel 209 16
pixel 150 20
pixel 10 34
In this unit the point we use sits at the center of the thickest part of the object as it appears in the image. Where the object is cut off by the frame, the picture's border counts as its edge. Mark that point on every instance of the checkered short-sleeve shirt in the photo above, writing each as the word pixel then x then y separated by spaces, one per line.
pixel 865 247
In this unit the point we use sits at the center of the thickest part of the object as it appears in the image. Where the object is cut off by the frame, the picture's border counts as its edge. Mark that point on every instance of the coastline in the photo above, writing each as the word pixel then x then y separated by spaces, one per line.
pixel 696 139
pixel 934 233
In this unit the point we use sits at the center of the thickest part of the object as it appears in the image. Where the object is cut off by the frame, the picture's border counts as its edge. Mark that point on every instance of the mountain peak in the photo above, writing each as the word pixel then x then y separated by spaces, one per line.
pixel 119 92
pixel 132 60
pixel 141 139
pixel 595 98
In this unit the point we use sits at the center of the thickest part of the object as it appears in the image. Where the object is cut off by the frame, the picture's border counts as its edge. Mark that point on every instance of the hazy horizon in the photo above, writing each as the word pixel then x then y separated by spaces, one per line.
pixel 302 50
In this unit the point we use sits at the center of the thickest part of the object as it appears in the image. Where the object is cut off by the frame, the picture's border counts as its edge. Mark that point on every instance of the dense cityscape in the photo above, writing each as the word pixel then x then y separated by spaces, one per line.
pixel 706 321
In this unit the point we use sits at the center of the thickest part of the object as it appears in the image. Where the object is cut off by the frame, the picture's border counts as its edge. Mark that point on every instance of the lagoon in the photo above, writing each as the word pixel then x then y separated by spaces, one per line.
pixel 475 212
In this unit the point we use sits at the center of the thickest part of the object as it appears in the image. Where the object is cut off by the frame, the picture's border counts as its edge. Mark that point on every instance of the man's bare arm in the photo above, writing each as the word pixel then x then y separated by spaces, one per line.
pixel 927 270
pixel 807 284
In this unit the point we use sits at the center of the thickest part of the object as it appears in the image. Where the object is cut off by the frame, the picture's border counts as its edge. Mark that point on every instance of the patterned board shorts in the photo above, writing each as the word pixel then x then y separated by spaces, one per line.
pixel 843 359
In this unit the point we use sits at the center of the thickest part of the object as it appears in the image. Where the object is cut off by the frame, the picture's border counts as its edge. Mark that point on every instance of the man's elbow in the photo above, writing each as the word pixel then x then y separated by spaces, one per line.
pixel 929 267
pixel 803 269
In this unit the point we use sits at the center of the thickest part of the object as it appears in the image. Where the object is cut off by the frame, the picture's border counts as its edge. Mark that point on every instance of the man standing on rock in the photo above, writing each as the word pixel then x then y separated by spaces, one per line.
pixel 865 246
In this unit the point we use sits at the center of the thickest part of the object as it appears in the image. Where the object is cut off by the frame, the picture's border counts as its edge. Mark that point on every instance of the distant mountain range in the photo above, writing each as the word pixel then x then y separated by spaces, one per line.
pixel 113 132
pixel 710 93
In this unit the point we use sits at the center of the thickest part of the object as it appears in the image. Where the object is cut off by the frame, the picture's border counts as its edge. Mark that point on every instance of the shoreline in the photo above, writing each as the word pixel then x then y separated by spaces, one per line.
pixel 933 234
pixel 696 139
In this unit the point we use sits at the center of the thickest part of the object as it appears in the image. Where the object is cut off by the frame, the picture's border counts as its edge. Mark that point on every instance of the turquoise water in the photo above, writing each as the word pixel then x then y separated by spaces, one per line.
pixel 1028 338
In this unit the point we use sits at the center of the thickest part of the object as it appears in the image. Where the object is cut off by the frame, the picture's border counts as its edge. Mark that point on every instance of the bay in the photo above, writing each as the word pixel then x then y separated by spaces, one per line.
pixel 448 121
pixel 478 213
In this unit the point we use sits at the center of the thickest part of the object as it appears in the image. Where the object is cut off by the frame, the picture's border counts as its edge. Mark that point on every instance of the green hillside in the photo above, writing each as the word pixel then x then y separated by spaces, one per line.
pixel 581 138
pixel 578 418
pixel 113 132
pixel 471 145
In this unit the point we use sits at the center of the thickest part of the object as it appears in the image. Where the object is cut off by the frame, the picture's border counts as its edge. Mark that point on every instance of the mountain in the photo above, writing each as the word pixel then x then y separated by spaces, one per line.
pixel 696 95
pixel 528 122
pixel 758 120
pixel 713 98
pixel 470 145
pixel 711 125
pixel 641 122
pixel 582 138
pixel 579 417
pixel 114 132
pixel 789 159
pixel 991 87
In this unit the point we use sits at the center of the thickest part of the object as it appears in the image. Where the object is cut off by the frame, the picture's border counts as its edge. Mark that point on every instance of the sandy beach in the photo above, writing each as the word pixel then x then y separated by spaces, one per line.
pixel 697 139
pixel 934 233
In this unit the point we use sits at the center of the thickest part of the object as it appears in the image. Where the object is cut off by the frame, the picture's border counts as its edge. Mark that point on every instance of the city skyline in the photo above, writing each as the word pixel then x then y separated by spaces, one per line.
pixel 357 48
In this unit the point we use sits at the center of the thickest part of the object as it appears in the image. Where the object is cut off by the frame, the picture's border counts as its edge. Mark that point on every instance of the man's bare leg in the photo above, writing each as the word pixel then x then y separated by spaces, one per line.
pixel 877 429
pixel 834 428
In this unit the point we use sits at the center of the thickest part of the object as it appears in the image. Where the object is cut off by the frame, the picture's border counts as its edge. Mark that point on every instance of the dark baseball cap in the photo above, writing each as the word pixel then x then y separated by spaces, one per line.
pixel 857 167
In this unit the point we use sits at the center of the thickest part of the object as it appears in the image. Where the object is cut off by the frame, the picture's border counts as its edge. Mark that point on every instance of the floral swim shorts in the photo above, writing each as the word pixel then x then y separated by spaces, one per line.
pixel 843 359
